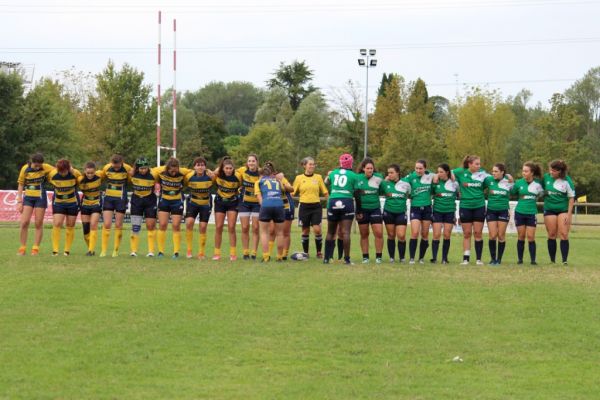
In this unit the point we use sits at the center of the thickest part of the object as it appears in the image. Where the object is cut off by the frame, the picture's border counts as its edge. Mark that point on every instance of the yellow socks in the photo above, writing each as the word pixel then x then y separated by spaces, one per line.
pixel 55 238
pixel 266 257
pixel 232 251
pixel 253 253
pixel 134 243
pixel 189 238
pixel 151 240
pixel 86 237
pixel 176 241
pixel 285 252
pixel 246 252
pixel 202 241
pixel 69 238
pixel 93 240
pixel 271 245
pixel 161 238
pixel 105 237
pixel 118 237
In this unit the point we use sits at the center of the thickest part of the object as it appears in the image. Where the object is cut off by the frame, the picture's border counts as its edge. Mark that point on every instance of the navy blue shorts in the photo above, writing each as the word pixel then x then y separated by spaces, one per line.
pixel 340 209
pixel 525 219
pixel 144 206
pixel 289 214
pixel 421 213
pixel 35 202
pixel 444 218
pixel 468 215
pixel 245 209
pixel 174 207
pixel 114 204
pixel 310 214
pixel 71 211
pixel 89 210
pixel 555 213
pixel 268 214
pixel 391 218
pixel 494 216
pixel 369 216
pixel 224 206
pixel 195 211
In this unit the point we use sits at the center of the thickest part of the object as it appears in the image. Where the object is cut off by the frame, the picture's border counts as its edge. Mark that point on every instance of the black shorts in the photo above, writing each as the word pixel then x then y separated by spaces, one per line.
pixel 469 215
pixel 444 217
pixel 89 210
pixel 525 219
pixel 174 207
pixel 70 211
pixel 268 214
pixel 310 214
pixel 340 209
pixel 421 213
pixel 194 211
pixel 497 216
pixel 392 218
pixel 114 204
pixel 289 214
pixel 224 206
pixel 369 216
pixel 144 206
pixel 248 209
pixel 36 202
pixel 555 213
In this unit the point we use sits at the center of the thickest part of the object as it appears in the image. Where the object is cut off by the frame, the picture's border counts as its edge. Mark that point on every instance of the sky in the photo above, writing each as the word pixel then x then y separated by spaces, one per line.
pixel 507 45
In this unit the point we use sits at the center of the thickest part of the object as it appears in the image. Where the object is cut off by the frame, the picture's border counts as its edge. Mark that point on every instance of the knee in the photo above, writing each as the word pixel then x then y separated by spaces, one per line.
pixel 467 235
pixel 25 224
pixel 564 236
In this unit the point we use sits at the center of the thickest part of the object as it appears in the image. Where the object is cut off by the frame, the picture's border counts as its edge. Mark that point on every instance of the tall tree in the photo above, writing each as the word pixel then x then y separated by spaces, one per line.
pixel 347 119
pixel 387 110
pixel 11 111
pixel 270 143
pixel 295 79
pixel 585 95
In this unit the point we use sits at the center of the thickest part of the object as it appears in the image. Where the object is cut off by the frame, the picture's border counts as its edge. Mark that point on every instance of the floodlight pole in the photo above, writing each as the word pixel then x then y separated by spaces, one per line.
pixel 368 64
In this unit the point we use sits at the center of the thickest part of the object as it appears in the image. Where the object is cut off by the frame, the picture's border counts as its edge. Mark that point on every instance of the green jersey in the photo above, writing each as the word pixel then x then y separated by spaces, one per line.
pixel 557 193
pixel 498 193
pixel 528 193
pixel 444 196
pixel 343 183
pixel 396 194
pixel 369 190
pixel 420 193
pixel 471 187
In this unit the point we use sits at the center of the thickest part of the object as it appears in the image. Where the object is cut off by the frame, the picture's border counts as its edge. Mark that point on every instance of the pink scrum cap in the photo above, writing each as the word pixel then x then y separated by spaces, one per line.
pixel 346 161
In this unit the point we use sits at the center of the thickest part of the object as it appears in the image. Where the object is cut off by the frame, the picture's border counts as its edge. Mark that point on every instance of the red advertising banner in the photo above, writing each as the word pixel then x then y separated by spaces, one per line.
pixel 8 206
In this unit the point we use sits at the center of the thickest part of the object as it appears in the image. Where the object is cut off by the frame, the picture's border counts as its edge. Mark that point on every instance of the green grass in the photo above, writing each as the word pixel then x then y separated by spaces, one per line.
pixel 77 327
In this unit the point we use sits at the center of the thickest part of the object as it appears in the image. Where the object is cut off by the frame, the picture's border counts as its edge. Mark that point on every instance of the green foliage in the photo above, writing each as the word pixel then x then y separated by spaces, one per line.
pixel 275 109
pixel 269 142
pixel 328 159
pixel 387 110
pixel 211 132
pixel 295 79
pixel 11 129
pixel 584 94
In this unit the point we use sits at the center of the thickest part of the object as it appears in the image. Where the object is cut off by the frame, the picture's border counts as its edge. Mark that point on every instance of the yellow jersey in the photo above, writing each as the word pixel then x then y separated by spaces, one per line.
pixel 228 187
pixel 249 178
pixel 90 189
pixel 310 188
pixel 171 187
pixel 116 180
pixel 33 180
pixel 199 186
pixel 65 187
pixel 143 185
pixel 285 196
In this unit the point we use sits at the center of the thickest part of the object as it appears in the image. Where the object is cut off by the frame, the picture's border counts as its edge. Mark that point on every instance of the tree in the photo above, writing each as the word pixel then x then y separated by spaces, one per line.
pixel 212 133
pixel 11 110
pixel 585 95
pixel 387 109
pixel 275 109
pixel 347 119
pixel 295 79
pixel 328 158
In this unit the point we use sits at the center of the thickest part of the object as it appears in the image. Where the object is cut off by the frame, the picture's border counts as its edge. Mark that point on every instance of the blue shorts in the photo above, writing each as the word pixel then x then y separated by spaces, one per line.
pixel 224 206
pixel 501 216
pixel 174 207
pixel 275 214
pixel 391 218
pixel 468 215
pixel 525 219
pixel 369 216
pixel 444 217
pixel 144 206
pixel 421 213
pixel 115 204
pixel 289 214
pixel 340 209
pixel 194 211
pixel 35 202
pixel 556 213
pixel 70 210
pixel 248 209
pixel 89 210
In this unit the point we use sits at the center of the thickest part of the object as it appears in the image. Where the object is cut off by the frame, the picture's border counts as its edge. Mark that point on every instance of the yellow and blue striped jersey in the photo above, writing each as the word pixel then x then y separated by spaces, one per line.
pixel 228 187
pixel 116 180
pixel 65 187
pixel 143 185
pixel 199 186
pixel 249 178
pixel 285 196
pixel 33 180
pixel 171 187
pixel 90 189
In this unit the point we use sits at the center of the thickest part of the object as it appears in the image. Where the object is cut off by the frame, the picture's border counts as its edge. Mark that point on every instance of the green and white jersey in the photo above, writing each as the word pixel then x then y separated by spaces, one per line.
pixel 471 187
pixel 395 194
pixel 420 193
pixel 528 193
pixel 498 193
pixel 369 190
pixel 343 183
pixel 444 196
pixel 557 193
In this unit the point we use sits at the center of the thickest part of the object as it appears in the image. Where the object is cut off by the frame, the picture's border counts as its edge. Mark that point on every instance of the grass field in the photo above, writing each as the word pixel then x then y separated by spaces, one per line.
pixel 77 327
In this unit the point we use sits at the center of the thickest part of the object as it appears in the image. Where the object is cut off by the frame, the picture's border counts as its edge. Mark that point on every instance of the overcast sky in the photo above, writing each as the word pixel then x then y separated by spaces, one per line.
pixel 541 45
